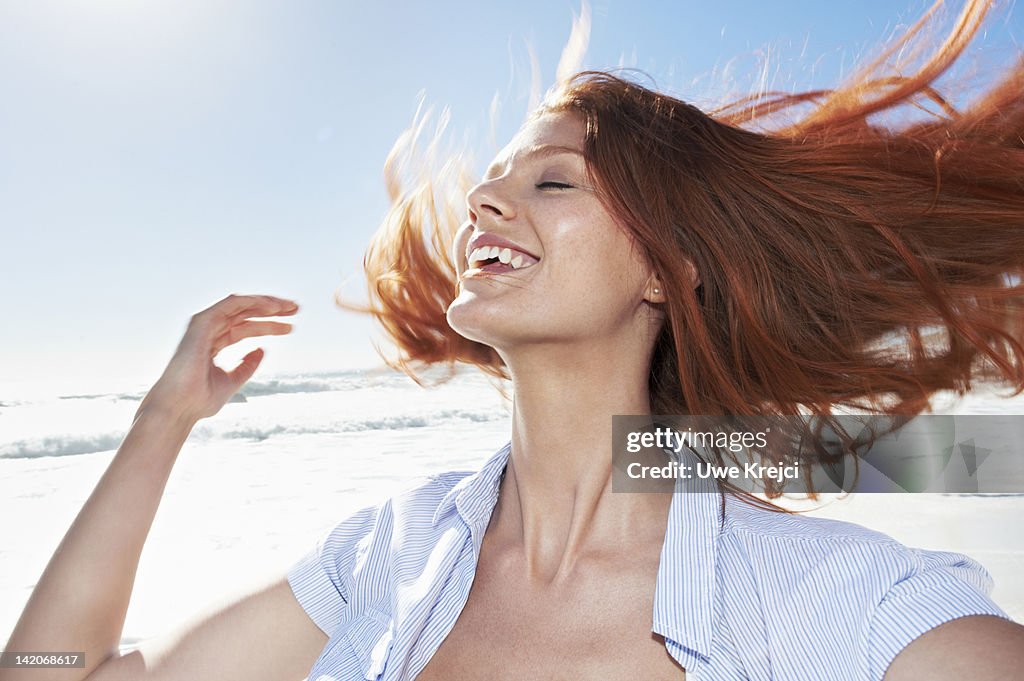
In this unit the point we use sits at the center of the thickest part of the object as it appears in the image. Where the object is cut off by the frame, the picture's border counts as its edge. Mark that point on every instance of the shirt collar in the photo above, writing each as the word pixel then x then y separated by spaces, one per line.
pixel 474 496
pixel 685 586
pixel 684 593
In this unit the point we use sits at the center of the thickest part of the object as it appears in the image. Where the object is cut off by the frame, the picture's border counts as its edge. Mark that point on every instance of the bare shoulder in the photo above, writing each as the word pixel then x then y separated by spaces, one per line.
pixel 978 647
pixel 260 634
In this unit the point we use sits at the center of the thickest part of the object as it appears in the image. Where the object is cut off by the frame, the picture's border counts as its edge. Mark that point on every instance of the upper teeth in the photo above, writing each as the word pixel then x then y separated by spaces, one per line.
pixel 504 255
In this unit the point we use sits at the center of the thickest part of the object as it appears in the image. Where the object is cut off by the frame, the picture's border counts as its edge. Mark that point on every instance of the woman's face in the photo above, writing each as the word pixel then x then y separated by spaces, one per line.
pixel 569 274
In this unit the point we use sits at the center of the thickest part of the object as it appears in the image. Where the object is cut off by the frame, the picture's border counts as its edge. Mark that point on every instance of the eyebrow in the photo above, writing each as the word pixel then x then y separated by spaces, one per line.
pixel 539 151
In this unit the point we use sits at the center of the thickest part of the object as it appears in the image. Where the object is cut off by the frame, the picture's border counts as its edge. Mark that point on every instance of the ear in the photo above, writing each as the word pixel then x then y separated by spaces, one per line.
pixel 691 272
pixel 655 291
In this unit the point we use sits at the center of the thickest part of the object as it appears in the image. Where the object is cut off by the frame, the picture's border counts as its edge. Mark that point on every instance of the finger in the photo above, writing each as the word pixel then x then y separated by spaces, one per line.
pixel 248 329
pixel 269 310
pixel 245 369
pixel 253 306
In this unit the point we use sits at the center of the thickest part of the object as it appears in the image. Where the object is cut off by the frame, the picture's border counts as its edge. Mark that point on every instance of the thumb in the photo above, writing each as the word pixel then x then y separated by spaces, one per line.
pixel 245 369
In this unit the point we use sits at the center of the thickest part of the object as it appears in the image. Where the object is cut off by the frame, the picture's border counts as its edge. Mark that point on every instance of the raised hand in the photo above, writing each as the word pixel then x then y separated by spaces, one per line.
pixel 192 387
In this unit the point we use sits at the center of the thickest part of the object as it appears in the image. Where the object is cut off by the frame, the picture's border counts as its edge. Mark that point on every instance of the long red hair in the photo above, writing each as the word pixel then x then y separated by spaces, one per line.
pixel 842 263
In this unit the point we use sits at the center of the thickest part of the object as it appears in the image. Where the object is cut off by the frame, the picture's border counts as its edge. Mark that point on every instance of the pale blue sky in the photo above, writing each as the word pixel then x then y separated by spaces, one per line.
pixel 155 156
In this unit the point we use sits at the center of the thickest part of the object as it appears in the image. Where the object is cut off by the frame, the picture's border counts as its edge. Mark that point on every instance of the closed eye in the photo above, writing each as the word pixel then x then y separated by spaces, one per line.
pixel 554 185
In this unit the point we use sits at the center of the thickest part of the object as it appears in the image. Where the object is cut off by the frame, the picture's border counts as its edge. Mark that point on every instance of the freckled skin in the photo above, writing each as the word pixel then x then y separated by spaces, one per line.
pixel 595 626
pixel 589 277
pixel 549 600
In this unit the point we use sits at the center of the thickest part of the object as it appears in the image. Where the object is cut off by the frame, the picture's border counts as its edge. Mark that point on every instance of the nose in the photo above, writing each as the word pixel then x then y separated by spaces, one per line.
pixel 487 199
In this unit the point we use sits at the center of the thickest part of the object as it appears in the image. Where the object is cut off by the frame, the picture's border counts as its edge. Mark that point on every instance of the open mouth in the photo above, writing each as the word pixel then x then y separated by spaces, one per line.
pixel 499 259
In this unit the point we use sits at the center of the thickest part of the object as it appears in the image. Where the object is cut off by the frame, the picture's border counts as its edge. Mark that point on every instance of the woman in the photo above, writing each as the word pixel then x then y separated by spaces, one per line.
pixel 625 254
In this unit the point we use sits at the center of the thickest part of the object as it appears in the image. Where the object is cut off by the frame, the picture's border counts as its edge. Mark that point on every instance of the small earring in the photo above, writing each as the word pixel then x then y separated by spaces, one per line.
pixel 657 291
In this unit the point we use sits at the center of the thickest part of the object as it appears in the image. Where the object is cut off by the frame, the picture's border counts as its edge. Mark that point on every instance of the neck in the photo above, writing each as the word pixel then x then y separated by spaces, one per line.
pixel 556 501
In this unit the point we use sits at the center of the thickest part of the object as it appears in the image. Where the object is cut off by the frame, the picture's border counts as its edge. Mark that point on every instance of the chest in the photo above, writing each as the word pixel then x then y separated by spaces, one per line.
pixel 596 625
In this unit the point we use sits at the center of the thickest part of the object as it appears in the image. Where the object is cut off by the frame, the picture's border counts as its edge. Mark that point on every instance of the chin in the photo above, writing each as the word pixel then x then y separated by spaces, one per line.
pixel 478 320
pixel 468 322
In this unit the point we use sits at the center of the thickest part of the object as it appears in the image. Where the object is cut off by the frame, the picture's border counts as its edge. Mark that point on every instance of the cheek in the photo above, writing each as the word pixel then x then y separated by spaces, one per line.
pixel 459 244
pixel 602 262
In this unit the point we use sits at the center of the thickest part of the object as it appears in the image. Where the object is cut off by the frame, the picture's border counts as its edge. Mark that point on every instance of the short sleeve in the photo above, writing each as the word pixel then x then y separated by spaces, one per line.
pixel 943 587
pixel 320 580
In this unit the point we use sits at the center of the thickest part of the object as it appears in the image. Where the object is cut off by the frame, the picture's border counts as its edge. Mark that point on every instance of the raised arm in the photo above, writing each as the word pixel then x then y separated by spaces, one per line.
pixel 261 636
pixel 80 602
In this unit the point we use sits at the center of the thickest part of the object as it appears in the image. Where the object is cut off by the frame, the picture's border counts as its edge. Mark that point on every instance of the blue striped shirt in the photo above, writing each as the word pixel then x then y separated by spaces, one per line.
pixel 755 594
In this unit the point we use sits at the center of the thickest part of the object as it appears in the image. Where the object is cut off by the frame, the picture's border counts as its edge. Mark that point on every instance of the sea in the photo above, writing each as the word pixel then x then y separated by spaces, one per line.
pixel 292 455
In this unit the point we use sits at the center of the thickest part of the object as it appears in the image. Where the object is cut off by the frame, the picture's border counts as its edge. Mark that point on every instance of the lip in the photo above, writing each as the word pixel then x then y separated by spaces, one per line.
pixel 489 239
